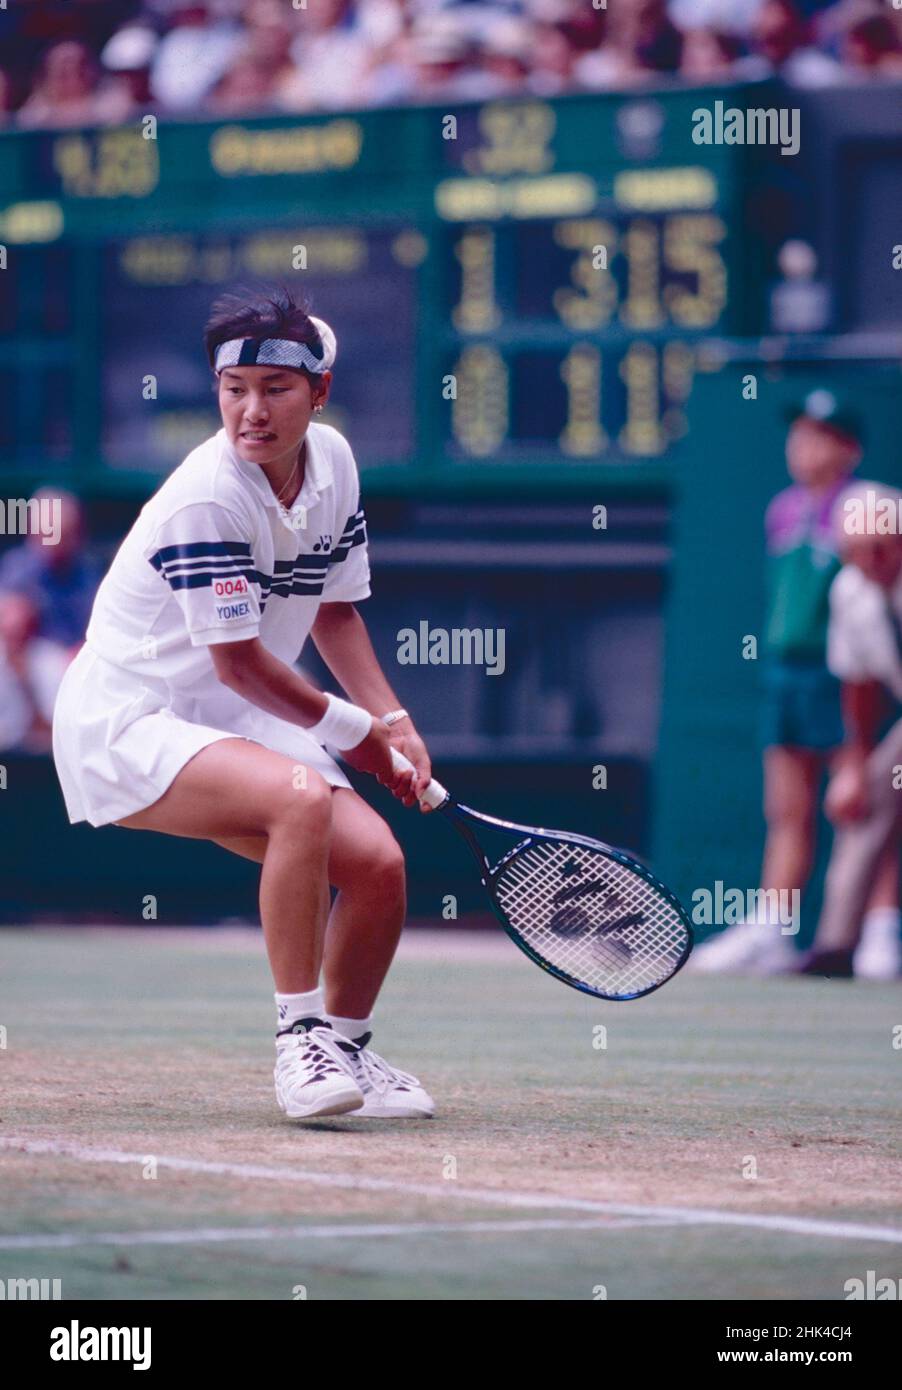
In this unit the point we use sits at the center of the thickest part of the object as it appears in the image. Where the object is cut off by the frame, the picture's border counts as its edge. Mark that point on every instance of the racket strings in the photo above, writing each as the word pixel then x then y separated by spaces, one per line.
pixel 586 914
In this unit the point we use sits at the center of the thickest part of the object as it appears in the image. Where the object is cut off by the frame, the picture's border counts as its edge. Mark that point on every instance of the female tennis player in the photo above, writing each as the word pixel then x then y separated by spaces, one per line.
pixel 184 713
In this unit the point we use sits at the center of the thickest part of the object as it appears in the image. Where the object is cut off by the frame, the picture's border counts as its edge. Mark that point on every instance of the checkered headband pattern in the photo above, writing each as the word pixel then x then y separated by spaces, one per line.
pixel 280 352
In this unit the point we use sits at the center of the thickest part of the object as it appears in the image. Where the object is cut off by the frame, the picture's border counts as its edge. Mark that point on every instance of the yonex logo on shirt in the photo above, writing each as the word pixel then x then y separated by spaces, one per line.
pixel 211 558
pixel 227 566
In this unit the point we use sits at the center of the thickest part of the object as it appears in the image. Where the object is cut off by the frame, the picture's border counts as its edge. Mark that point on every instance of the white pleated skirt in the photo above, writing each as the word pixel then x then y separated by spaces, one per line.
pixel 119 744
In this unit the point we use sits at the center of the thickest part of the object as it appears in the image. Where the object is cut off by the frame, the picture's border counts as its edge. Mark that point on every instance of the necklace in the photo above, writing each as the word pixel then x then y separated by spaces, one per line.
pixel 286 486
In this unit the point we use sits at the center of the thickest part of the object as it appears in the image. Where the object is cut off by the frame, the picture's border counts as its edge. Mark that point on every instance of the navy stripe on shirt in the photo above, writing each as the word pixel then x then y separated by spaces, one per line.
pixel 195 564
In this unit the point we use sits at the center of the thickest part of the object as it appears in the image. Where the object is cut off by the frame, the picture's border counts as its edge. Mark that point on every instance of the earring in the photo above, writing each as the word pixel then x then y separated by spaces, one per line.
pixel 317 410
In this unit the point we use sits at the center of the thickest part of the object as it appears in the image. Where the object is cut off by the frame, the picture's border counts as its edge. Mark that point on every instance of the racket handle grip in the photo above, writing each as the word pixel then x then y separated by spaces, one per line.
pixel 435 794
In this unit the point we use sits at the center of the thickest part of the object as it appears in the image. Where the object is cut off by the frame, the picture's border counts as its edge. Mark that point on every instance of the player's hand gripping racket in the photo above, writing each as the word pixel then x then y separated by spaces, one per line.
pixel 587 913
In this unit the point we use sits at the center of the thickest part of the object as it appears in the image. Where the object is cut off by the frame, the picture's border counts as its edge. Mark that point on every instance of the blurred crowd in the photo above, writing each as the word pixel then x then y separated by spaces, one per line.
pixel 105 61
pixel 46 593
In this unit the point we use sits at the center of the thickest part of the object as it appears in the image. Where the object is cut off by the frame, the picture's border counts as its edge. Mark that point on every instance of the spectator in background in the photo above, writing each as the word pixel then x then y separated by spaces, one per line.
pixel 507 53
pixel 640 43
pixel 193 55
pixel 249 87
pixel 802 714
pixel 263 66
pixel 128 57
pixel 553 58
pixel 872 47
pixel 338 46
pixel 780 43
pixel 434 60
pixel 234 56
pixel 7 98
pixel 724 16
pixel 864 799
pixel 271 27
pixel 582 25
pixel 20 678
pixel 69 91
pixel 709 55
pixel 46 593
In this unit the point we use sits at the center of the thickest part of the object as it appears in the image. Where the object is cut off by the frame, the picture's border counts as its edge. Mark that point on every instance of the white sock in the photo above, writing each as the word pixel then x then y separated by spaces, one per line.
pixel 351 1028
pixel 291 1007
pixel 881 923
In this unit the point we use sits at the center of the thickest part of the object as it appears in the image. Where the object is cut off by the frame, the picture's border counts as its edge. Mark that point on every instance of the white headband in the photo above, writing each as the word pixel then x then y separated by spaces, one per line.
pixel 279 352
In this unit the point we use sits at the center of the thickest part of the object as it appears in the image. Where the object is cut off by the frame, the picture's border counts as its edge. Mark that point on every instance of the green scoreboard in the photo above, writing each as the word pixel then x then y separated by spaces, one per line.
pixel 518 289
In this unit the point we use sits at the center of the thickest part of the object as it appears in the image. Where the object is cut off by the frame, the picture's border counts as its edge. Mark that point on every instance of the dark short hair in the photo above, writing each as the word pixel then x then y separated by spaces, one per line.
pixel 271 312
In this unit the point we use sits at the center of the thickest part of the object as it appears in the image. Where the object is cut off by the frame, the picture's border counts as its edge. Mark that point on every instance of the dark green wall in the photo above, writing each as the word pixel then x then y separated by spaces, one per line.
pixel 54 871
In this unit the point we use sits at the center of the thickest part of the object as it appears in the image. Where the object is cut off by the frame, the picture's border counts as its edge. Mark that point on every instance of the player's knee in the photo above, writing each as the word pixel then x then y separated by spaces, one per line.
pixel 304 805
pixel 385 865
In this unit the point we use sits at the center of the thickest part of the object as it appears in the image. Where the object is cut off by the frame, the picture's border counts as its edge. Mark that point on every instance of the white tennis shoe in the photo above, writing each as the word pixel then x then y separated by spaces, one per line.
pixel 312 1073
pixel 388 1093
pixel 748 948
pixel 878 955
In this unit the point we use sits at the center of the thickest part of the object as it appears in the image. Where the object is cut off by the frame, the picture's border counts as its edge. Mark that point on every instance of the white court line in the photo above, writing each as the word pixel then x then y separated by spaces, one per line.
pixel 486 1196
pixel 215 1234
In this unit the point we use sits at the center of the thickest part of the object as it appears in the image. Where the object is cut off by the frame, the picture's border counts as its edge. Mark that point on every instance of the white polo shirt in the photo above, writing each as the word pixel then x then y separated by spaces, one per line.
pixel 212 557
pixel 861 644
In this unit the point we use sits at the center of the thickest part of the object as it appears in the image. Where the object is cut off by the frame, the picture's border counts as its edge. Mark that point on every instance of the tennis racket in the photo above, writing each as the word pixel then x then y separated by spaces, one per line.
pixel 587 913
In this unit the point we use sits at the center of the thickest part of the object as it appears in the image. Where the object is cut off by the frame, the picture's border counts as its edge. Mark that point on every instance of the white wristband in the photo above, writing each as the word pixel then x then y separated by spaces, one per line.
pixel 343 725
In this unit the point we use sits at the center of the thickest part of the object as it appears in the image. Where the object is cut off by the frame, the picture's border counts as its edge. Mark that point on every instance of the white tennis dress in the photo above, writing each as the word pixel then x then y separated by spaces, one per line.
pixel 212 557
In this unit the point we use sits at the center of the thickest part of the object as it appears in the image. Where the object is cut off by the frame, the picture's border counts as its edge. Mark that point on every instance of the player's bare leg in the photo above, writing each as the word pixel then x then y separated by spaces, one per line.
pixel 367 867
pixel 237 789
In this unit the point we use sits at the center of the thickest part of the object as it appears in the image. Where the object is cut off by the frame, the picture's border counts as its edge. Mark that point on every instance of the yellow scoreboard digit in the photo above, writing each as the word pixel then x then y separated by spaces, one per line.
pixel 599 314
